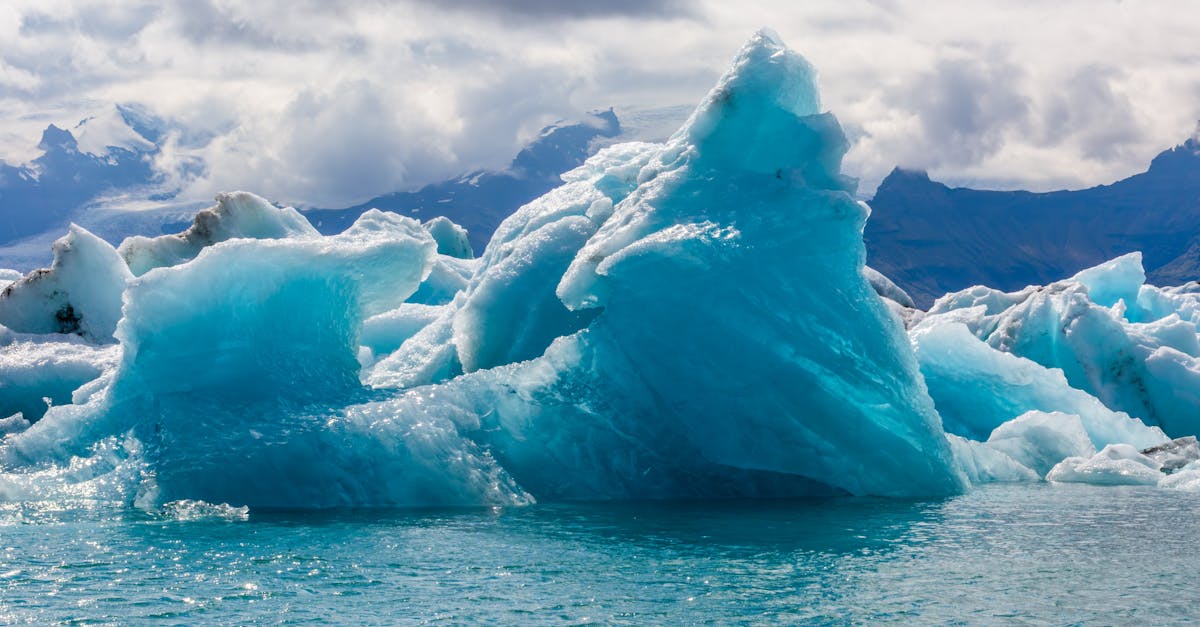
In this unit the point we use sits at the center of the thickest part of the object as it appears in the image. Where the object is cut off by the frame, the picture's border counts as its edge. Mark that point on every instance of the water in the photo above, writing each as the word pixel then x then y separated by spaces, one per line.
pixel 1026 554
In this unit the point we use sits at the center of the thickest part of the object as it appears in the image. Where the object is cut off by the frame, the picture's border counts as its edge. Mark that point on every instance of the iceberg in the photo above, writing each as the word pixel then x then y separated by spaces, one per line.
pixel 1186 478
pixel 981 463
pixel 1133 347
pixel 80 293
pixel 1039 440
pixel 686 319
pixel 1176 454
pixel 37 373
pixel 1117 464
pixel 451 238
pixel 236 215
pixel 739 356
pixel 977 388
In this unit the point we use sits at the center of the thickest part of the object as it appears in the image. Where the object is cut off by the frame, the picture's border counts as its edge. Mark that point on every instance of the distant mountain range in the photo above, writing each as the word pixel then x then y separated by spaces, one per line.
pixel 480 200
pixel 113 155
pixel 931 239
pixel 48 191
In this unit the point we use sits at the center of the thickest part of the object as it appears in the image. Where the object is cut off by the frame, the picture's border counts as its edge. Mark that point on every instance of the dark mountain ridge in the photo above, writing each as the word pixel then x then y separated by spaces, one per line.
pixel 932 239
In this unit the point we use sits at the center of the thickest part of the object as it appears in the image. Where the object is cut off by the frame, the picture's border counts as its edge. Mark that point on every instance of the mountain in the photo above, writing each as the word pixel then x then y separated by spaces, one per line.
pixel 93 174
pixel 112 154
pixel 480 200
pixel 932 239
pixel 44 194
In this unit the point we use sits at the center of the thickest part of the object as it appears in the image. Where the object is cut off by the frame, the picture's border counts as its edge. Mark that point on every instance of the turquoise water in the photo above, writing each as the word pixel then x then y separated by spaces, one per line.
pixel 1029 554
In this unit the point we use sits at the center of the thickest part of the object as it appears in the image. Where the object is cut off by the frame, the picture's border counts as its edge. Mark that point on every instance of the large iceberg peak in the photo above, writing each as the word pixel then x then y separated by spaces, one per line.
pixel 764 116
pixel 688 319
pixel 764 74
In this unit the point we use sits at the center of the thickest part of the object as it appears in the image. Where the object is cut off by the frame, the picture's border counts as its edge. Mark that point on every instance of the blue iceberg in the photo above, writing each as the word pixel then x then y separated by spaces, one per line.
pixel 690 319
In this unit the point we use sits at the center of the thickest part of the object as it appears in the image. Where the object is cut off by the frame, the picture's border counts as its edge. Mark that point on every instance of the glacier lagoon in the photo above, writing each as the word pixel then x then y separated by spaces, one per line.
pixel 1017 553
pixel 684 321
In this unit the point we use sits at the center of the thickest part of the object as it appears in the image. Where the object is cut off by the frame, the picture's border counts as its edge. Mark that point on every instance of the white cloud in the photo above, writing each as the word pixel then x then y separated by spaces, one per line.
pixel 331 103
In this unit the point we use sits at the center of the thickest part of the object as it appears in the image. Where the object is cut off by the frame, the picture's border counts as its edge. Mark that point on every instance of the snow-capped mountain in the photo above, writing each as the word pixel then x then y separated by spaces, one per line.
pixel 91 174
pixel 72 171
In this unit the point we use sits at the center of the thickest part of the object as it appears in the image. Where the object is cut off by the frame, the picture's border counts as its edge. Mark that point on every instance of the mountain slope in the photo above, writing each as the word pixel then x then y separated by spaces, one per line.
pixel 932 239
pixel 44 194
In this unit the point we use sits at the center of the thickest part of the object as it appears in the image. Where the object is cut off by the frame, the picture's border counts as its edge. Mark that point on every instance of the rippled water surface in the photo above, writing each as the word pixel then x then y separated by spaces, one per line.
pixel 1040 554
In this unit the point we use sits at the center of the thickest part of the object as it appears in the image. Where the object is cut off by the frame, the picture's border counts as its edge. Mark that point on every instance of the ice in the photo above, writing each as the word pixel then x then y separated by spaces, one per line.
pixel 385 332
pixel 8 276
pixel 248 347
pixel 1039 440
pixel 427 357
pixel 1132 346
pixel 236 215
pixel 451 238
pixel 687 319
pixel 109 472
pixel 1117 280
pixel 15 423
pixel 1116 464
pixel 511 312
pixel 691 319
pixel 886 288
pixel 191 510
pixel 79 293
pixel 977 388
pixel 37 372
pixel 1175 454
pixel 446 279
pixel 1186 478
pixel 734 333
pixel 984 464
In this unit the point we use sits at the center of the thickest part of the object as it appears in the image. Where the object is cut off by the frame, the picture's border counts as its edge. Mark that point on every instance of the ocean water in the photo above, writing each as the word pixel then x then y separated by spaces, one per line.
pixel 1023 554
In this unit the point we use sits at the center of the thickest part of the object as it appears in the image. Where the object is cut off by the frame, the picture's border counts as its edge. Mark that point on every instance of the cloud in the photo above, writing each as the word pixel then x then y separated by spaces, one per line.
pixel 572 9
pixel 966 107
pixel 314 102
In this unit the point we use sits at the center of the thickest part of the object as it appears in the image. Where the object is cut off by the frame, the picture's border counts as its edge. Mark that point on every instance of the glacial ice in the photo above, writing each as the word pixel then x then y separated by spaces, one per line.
pixel 1117 464
pixel 647 330
pixel 451 238
pixel 977 388
pixel 981 463
pixel 236 215
pixel 1176 454
pixel 79 293
pixel 9 276
pixel 1039 440
pixel 383 333
pixel 686 319
pixel 1133 347
pixel 887 289
pixel 645 238
pixel 1186 478
pixel 38 372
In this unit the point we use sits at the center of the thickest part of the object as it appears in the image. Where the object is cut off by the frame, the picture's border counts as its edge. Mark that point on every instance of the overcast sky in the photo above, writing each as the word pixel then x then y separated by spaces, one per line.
pixel 313 102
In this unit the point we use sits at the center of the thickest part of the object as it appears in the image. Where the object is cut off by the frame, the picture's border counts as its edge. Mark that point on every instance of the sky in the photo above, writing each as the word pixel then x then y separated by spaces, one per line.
pixel 319 103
